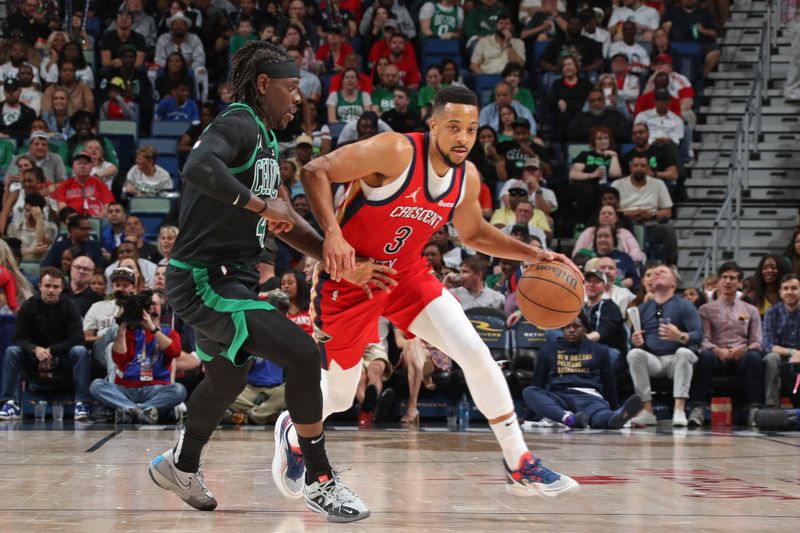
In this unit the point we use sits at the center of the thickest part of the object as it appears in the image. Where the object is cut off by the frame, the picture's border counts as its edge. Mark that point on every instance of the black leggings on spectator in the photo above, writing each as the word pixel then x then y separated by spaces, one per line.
pixel 275 338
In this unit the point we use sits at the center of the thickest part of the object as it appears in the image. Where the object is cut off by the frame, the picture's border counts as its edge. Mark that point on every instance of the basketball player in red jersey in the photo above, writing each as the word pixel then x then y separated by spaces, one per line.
pixel 402 189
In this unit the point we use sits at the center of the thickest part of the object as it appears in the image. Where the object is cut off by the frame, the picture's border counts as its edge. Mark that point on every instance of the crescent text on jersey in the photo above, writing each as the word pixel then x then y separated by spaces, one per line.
pixel 426 216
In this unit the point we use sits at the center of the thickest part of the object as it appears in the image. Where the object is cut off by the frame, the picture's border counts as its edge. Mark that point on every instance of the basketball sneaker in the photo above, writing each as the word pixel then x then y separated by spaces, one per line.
pixel 629 409
pixel 10 411
pixel 331 497
pixel 532 478
pixel 288 468
pixel 189 487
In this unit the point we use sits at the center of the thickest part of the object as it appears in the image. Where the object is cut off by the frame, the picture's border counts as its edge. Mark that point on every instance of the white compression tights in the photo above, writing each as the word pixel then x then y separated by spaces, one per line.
pixel 443 324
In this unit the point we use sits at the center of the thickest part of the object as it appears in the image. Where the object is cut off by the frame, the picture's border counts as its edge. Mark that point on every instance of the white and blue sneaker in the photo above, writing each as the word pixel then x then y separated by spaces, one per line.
pixel 81 411
pixel 534 479
pixel 288 468
pixel 190 487
pixel 329 496
pixel 10 411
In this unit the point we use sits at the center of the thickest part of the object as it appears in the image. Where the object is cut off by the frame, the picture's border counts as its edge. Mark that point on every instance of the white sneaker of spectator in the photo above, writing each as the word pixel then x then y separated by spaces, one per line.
pixel 679 419
pixel 645 418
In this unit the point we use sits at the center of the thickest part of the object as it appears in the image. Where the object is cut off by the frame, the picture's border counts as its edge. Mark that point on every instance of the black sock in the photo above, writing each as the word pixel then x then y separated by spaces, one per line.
pixel 315 458
pixel 188 450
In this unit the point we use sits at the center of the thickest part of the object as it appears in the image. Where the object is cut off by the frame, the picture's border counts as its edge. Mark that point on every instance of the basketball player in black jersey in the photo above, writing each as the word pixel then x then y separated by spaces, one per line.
pixel 230 201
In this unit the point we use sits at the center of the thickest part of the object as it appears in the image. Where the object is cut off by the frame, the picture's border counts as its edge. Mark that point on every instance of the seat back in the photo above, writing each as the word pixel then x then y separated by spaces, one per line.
pixel 490 324
pixel 174 129
pixel 119 127
pixel 163 145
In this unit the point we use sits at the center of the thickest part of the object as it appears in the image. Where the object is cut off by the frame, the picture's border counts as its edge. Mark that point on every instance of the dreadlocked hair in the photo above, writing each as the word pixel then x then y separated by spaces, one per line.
pixel 244 71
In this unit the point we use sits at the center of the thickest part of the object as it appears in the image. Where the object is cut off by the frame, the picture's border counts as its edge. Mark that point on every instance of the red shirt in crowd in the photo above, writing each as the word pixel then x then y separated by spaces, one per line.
pixel 88 198
pixel 325 50
pixel 364 83
pixel 8 286
pixel 648 101
pixel 302 319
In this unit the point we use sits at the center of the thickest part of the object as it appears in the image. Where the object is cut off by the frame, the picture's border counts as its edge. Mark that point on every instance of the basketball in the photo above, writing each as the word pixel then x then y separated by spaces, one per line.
pixel 550 294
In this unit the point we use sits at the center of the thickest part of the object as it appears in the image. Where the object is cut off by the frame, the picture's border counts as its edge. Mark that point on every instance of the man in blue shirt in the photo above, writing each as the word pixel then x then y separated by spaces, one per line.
pixel 574 382
pixel 781 341
pixel 669 326
pixel 178 106
pixel 79 237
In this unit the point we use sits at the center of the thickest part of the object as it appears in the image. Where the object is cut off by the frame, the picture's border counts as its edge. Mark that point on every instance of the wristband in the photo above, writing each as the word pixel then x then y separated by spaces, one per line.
pixel 155 330
pixel 266 205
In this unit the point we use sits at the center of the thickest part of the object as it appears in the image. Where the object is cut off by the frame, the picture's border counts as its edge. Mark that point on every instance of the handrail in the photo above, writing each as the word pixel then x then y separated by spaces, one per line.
pixel 727 224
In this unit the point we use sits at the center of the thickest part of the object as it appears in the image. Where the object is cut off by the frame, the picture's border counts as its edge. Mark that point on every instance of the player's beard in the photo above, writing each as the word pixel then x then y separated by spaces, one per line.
pixel 446 157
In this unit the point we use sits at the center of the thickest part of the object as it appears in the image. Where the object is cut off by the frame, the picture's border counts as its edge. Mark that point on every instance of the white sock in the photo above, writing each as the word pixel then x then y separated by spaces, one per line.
pixel 509 435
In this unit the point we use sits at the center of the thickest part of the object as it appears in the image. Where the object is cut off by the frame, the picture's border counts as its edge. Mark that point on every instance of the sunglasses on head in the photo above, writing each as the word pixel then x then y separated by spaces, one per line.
pixel 518 192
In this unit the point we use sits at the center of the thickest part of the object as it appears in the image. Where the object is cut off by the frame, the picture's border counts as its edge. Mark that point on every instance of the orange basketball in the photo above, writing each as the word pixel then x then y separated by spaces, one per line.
pixel 550 294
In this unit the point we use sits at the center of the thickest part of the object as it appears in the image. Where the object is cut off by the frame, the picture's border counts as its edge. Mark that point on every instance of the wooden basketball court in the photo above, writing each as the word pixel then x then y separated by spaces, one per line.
pixel 93 478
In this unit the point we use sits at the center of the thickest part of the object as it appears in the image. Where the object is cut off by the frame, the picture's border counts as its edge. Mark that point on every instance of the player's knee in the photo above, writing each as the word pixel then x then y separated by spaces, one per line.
pixel 306 356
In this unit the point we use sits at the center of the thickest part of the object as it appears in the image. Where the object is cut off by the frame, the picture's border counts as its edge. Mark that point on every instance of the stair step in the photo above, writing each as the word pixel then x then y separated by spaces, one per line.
pixel 738 109
pixel 756 174
pixel 768 137
pixel 749 223
pixel 792 163
pixel 754 193
pixel 744 91
pixel 727 145
pixel 710 212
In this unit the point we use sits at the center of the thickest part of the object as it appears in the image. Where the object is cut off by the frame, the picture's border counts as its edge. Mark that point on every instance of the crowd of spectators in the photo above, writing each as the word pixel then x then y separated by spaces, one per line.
pixel 587 111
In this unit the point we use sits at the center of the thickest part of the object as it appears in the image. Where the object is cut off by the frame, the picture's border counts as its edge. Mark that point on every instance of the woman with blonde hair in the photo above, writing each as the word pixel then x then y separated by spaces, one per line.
pixel 166 240
pixel 102 169
pixel 57 118
pixel 14 287
pixel 614 98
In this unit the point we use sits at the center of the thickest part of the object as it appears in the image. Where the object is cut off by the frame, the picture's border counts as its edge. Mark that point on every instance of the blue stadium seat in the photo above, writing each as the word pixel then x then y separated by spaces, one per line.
pixel 691 64
pixel 490 323
pixel 119 127
pixel 169 163
pixel 125 146
pixel 526 341
pixel 151 223
pixel 170 129
pixel 485 82
pixel 538 50
pixel 163 145
pixel 336 130
pixel 573 150
pixel 441 47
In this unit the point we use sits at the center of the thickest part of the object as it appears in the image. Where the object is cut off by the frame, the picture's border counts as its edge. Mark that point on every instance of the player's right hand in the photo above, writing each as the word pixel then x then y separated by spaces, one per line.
pixel 337 255
pixel 279 216
pixel 367 273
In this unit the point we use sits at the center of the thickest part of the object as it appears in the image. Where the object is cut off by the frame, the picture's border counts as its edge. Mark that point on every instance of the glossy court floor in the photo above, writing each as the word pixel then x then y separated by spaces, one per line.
pixel 93 478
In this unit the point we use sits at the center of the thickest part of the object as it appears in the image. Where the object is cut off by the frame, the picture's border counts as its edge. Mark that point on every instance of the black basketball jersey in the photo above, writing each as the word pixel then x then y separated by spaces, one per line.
pixel 213 232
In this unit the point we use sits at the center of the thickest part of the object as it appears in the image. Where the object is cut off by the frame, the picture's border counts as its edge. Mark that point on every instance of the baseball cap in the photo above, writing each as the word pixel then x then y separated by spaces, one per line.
pixel 623 56
pixel 118 82
pixel 662 94
pixel 304 139
pixel 599 274
pixel 124 274
pixel 39 134
pixel 533 162
pixel 11 84
pixel 84 154
pixel 664 58
pixel 390 23
pixel 514 184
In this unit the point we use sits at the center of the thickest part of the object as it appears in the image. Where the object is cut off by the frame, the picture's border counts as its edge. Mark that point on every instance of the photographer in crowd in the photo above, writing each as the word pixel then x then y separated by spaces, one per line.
pixel 99 326
pixel 143 353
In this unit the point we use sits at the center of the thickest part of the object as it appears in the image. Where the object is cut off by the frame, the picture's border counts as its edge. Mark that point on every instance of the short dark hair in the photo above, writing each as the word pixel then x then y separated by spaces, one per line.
pixel 729 266
pixel 53 272
pixel 433 67
pixel 640 157
pixel 37 172
pixel 477 264
pixel 119 204
pixel 512 67
pixel 75 221
pixel 789 277
pixel 455 94
pixel 35 199
pixel 502 16
pixel 403 90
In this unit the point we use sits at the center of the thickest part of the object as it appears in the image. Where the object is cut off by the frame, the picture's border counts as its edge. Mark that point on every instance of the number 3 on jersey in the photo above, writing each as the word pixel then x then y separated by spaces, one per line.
pixel 400 236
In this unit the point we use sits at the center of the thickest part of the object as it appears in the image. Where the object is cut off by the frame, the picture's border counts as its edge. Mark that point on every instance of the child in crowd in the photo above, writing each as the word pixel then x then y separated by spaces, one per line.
pixel 244 33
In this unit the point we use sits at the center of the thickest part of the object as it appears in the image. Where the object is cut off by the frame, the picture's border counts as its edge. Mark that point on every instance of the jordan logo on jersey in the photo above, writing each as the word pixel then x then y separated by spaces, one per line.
pixel 413 195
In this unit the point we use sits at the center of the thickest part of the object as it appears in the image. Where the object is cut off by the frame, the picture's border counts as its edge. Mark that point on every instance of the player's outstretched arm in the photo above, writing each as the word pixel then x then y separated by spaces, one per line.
pixel 228 142
pixel 378 160
pixel 478 234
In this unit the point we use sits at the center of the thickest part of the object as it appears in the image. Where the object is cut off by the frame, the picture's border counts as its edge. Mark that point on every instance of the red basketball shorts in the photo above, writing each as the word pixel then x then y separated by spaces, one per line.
pixel 350 318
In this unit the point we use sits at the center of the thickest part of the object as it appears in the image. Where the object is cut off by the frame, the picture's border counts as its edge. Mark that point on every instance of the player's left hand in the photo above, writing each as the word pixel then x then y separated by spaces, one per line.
pixel 540 254
pixel 367 272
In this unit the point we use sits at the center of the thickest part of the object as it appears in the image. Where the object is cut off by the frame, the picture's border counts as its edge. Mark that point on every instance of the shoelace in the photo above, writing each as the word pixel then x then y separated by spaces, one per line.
pixel 295 466
pixel 535 469
pixel 202 483
pixel 336 489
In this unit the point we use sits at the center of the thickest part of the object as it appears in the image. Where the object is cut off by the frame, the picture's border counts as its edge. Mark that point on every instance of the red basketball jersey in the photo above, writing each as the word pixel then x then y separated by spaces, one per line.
pixel 395 230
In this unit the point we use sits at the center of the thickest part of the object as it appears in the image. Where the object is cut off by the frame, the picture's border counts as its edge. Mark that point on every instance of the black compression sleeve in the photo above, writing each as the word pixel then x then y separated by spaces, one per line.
pixel 227 143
